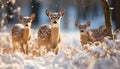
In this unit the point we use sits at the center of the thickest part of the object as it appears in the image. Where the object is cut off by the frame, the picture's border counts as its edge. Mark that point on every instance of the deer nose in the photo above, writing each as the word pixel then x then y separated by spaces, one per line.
pixel 54 22
pixel 82 31
pixel 26 24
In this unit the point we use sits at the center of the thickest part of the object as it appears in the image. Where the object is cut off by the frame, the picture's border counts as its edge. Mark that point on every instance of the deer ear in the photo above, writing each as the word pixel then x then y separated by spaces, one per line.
pixel 77 24
pixel 48 12
pixel 62 12
pixel 88 24
pixel 21 16
pixel 32 16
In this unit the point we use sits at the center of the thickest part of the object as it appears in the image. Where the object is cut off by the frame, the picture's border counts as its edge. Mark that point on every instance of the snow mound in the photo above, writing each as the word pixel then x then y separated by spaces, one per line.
pixel 97 55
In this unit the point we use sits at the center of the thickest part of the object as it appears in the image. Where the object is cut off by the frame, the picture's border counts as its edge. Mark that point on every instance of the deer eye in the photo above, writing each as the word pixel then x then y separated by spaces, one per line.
pixel 51 18
pixel 80 27
pixel 24 21
pixel 29 20
pixel 84 25
pixel 58 17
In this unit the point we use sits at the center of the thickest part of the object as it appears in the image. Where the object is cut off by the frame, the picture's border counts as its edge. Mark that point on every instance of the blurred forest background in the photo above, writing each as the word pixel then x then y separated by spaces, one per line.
pixel 80 10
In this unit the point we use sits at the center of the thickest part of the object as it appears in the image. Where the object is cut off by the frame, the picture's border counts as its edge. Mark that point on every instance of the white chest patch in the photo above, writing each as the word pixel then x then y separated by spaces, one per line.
pixel 55 25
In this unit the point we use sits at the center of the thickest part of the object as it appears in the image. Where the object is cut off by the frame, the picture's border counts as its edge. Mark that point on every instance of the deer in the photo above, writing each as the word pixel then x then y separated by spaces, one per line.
pixel 21 33
pixel 49 35
pixel 94 35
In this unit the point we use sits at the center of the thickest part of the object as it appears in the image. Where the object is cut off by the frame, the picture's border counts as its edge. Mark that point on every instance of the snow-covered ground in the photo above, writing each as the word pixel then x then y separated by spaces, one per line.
pixel 104 55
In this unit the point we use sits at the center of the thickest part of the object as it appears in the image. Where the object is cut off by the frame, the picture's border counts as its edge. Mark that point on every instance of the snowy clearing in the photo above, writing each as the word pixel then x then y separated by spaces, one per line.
pixel 104 55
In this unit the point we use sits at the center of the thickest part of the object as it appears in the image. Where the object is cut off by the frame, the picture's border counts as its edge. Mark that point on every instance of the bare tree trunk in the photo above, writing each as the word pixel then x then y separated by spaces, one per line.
pixel 36 6
pixel 116 12
pixel 107 15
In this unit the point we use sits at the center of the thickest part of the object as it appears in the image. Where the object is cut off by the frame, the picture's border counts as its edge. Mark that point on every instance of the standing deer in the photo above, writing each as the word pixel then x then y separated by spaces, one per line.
pixel 91 35
pixel 49 35
pixel 21 33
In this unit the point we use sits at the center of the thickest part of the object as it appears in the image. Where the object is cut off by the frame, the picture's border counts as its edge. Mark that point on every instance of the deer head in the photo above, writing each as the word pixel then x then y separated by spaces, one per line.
pixel 55 17
pixel 27 20
pixel 82 28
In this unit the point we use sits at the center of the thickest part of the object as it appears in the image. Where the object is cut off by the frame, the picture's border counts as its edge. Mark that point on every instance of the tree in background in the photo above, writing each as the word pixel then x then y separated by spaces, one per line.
pixel 84 9
pixel 116 12
pixel 36 5
pixel 107 15
pixel 2 14
pixel 11 15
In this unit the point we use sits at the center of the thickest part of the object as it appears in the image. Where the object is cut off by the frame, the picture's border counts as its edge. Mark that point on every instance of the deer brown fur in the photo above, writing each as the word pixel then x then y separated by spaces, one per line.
pixel 91 35
pixel 21 33
pixel 49 35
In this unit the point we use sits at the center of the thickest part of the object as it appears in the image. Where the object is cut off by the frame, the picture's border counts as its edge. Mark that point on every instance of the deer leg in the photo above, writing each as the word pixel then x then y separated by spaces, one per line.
pixel 14 46
pixel 57 49
pixel 39 48
pixel 26 52
pixel 22 47
pixel 40 54
pixel 57 45
pixel 48 48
